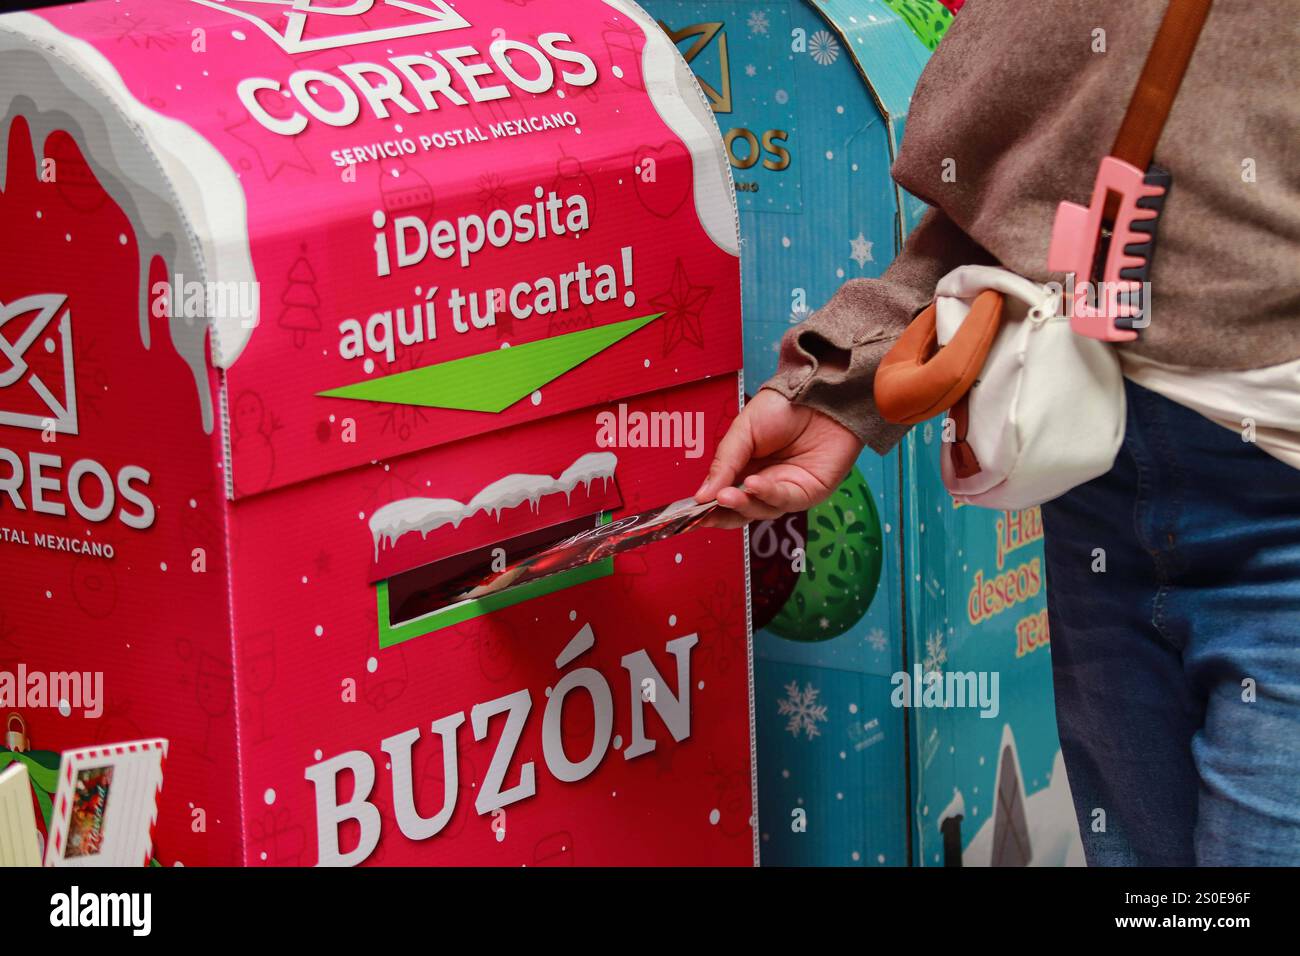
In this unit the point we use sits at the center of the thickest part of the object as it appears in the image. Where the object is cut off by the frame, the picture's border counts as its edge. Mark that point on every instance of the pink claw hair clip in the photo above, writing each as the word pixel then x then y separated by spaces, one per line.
pixel 1107 248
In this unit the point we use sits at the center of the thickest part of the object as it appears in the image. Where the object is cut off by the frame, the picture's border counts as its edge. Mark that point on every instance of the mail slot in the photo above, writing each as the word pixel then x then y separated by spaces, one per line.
pixel 313 313
pixel 425 546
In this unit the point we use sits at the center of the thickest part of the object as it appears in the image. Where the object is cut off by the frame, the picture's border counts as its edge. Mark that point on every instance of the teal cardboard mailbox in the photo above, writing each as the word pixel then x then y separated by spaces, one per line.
pixel 811 97
pixel 989 783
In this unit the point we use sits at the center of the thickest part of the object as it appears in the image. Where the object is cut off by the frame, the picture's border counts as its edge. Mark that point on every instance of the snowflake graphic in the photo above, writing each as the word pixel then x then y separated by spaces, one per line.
pixel 403 420
pixel 751 70
pixel 936 655
pixel 758 22
pixel 389 484
pixel 802 709
pixel 139 33
pixel 823 48
pixel 491 191
pixel 861 250
pixel 876 638
pixel 722 626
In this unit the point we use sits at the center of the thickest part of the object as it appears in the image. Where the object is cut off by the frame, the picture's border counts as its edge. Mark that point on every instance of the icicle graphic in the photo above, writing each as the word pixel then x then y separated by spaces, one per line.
pixel 427 515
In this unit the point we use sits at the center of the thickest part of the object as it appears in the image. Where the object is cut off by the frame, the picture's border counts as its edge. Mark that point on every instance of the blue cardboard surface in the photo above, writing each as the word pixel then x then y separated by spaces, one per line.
pixel 811 150
pixel 812 98
pixel 980 615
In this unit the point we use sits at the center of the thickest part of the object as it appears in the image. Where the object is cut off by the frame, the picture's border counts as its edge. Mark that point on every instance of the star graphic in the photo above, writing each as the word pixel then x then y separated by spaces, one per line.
pixel 861 253
pixel 276 164
pixel 682 304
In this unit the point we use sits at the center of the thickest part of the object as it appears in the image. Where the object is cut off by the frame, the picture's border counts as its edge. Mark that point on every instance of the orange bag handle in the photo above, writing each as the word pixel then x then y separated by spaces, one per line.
pixel 917 379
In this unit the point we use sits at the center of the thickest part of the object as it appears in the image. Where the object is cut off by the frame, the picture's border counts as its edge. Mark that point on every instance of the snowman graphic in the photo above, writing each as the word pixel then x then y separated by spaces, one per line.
pixel 250 442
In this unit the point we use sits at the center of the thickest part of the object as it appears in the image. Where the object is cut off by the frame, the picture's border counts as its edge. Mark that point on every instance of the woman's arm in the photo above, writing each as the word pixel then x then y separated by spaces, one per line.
pixel 794 443
pixel 828 362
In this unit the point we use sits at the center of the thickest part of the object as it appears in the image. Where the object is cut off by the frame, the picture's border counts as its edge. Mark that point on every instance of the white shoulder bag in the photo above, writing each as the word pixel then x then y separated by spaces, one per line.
pixel 1035 393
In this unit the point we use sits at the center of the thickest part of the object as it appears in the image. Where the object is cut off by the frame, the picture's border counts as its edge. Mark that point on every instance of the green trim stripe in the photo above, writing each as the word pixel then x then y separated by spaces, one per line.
pixel 492 381
pixel 390 634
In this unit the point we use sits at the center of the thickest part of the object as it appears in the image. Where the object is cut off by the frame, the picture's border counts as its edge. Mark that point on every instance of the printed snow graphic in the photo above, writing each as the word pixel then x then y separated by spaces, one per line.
pixel 823 48
pixel 876 638
pixel 426 515
pixel 1036 830
pixel 758 23
pixel 956 806
pixel 307 26
pixel 802 709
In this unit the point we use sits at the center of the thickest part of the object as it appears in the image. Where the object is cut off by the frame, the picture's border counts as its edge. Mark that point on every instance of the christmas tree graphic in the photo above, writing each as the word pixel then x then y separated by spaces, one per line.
pixel 301 303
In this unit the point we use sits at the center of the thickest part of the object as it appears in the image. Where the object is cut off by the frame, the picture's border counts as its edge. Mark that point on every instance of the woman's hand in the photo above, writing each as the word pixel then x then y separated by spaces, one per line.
pixel 785 457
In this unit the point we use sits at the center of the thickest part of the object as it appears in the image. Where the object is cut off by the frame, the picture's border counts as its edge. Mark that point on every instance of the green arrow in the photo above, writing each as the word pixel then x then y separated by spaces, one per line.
pixel 492 381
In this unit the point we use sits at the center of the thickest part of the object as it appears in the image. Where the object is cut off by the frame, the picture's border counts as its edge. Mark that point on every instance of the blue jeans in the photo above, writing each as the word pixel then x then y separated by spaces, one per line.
pixel 1177 670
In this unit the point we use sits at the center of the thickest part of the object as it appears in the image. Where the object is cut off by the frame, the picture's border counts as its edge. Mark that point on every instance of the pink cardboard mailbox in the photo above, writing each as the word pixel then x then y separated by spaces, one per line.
pixel 310 307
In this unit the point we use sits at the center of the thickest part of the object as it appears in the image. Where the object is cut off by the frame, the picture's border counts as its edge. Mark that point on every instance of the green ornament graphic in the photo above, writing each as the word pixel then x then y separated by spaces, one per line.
pixel 928 19
pixel 844 553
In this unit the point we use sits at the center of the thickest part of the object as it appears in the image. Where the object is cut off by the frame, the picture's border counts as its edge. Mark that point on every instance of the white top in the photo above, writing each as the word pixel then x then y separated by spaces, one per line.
pixel 1261 404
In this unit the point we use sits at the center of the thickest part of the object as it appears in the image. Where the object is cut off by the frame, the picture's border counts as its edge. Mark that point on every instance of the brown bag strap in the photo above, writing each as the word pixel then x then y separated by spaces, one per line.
pixel 1162 74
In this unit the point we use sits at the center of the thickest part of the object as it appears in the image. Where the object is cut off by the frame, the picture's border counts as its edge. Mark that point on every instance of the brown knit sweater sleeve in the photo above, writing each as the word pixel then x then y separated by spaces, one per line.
pixel 828 362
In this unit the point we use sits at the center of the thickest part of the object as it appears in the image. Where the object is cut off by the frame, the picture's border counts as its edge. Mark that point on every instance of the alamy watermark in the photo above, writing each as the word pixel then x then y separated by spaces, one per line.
pixel 1108 298
pixel 192 299
pixel 636 429
pixel 65 690
pixel 943 689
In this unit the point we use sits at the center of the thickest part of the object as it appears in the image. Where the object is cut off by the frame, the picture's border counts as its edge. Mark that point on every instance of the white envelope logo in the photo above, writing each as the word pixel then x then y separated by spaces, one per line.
pixel 16 375
pixel 287 21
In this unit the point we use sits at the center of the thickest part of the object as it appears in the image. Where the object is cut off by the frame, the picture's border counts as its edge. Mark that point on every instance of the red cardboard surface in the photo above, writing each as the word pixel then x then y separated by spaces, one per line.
pixel 191 521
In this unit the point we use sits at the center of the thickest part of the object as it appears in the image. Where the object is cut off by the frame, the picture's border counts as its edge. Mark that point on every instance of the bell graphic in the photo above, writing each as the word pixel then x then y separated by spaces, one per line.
pixel 16 740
